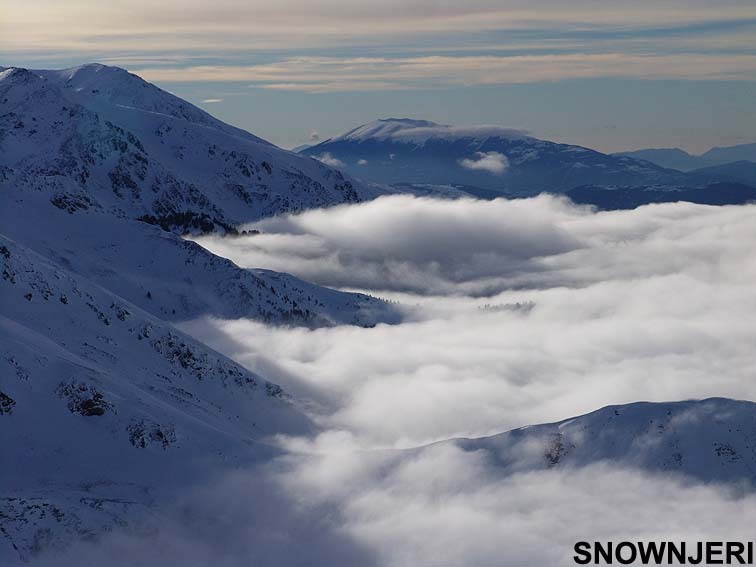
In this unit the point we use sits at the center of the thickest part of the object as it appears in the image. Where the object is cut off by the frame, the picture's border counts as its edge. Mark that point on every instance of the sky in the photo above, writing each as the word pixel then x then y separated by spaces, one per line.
pixel 610 75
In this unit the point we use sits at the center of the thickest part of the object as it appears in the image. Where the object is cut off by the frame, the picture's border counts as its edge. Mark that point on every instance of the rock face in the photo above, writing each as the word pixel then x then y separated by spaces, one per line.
pixel 404 151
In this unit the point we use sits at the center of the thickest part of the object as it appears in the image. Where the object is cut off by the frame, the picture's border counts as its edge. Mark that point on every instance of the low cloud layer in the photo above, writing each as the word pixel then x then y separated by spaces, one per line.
pixel 437 507
pixel 410 244
pixel 492 162
pixel 469 247
pixel 581 310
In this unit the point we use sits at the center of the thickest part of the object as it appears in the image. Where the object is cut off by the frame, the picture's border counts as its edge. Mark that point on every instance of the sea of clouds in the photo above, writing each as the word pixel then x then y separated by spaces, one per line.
pixel 515 313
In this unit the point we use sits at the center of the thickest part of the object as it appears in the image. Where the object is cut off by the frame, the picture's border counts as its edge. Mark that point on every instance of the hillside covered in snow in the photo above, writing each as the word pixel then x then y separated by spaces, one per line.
pixel 107 409
pixel 98 137
pixel 95 150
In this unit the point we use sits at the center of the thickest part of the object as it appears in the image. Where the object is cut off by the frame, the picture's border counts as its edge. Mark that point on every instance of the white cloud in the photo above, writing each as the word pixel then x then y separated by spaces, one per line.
pixel 492 162
pixel 403 243
pixel 644 304
pixel 442 506
pixel 362 162
pixel 211 100
pixel 327 74
pixel 330 506
pixel 314 136
pixel 328 159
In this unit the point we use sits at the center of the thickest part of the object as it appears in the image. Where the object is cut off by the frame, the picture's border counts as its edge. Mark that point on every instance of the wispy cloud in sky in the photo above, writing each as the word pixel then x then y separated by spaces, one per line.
pixel 325 74
pixel 357 46
pixel 82 24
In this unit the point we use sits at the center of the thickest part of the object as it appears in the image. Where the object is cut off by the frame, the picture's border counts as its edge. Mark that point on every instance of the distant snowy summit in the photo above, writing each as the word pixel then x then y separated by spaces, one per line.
pixel 405 151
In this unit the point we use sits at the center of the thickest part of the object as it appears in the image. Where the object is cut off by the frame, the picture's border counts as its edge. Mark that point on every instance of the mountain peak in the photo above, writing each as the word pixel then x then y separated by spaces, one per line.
pixel 409 130
pixel 384 128
pixel 15 74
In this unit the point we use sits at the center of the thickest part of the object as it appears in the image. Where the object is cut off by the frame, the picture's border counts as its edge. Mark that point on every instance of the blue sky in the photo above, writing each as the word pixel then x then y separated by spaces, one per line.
pixel 606 74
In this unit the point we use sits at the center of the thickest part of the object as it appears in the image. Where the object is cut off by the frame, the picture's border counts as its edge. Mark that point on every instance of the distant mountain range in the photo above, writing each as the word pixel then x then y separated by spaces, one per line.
pixel 613 197
pixel 675 158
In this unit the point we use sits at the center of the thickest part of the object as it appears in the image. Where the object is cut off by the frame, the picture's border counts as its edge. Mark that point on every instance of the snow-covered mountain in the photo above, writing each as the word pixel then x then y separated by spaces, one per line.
pixel 405 151
pixel 710 440
pixel 170 277
pixel 97 137
pixel 106 407
pixel 91 157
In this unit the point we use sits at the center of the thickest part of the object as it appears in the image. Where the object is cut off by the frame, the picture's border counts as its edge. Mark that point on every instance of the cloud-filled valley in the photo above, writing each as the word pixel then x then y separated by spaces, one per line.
pixel 580 310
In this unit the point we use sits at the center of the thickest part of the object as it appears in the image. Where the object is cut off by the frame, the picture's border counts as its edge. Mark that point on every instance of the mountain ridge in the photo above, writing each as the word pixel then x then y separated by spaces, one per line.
pixel 677 158
pixel 711 439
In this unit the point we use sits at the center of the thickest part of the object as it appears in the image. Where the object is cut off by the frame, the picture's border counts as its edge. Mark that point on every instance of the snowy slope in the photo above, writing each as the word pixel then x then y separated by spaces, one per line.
pixel 86 151
pixel 711 440
pixel 99 137
pixel 172 278
pixel 406 151
pixel 106 409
